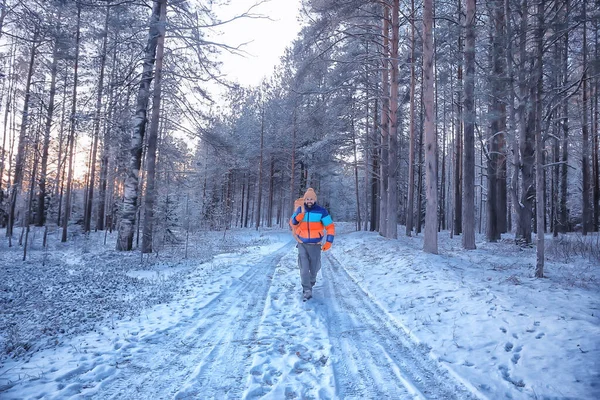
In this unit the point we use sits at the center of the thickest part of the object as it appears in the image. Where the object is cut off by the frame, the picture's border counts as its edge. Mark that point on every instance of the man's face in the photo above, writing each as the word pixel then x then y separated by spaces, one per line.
pixel 309 201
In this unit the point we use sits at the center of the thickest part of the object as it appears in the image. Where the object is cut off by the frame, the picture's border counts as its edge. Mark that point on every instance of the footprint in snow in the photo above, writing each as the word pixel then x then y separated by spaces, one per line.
pixel 506 375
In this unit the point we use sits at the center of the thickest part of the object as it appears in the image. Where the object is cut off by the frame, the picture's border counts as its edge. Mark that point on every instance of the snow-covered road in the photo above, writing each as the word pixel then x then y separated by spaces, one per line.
pixel 249 335
pixel 257 339
pixel 205 355
pixel 372 356
pixel 386 321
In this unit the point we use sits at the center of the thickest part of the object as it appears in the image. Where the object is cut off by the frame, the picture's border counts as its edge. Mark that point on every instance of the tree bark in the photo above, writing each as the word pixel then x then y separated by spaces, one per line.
pixel 130 200
pixel 539 144
pixel 3 13
pixel 384 126
pixel 468 219
pixel 492 231
pixel 596 133
pixel 20 161
pixel 31 193
pixel 585 162
pixel 458 145
pixel 564 212
pixel 555 209
pixel 356 186
pixel 392 201
pixel 41 204
pixel 420 173
pixel 500 116
pixel 443 173
pixel 412 139
pixel 71 139
pixel 260 164
pixel 9 101
pixel 374 172
pixel 147 234
pixel 90 194
pixel 104 157
pixel 62 159
pixel 271 190
pixel 430 240
pixel 293 162
pixel 526 120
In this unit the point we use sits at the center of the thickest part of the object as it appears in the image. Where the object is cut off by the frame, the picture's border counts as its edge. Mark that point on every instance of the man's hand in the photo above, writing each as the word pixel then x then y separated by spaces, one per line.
pixel 326 246
pixel 300 217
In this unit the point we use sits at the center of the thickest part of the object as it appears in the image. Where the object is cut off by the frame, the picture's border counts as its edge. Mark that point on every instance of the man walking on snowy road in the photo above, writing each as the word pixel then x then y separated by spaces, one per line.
pixel 309 221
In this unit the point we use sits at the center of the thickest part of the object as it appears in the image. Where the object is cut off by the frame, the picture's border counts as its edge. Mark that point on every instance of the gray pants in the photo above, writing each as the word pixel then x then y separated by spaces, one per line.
pixel 309 260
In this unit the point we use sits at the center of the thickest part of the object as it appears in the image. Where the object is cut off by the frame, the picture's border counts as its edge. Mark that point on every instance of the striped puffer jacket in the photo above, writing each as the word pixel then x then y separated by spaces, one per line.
pixel 310 228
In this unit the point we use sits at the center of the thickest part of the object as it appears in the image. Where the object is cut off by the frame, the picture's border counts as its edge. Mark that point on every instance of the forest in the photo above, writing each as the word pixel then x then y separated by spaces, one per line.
pixel 407 117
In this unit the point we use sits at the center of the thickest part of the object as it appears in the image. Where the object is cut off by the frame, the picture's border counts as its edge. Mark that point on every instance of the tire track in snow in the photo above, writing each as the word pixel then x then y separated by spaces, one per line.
pixel 375 357
pixel 206 355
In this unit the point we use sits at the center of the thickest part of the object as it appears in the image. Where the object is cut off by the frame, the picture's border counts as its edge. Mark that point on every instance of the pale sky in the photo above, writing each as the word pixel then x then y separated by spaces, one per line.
pixel 268 38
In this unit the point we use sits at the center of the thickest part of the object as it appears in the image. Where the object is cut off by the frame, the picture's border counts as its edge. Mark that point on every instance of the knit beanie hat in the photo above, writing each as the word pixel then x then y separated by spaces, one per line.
pixel 310 192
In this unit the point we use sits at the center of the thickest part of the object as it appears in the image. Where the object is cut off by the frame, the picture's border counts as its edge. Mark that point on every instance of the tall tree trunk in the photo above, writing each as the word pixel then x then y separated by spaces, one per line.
pixel 7 109
pixel 412 139
pixel 229 198
pixel 260 164
pixel 130 200
pixel 500 116
pixel 356 187
pixel 392 201
pixel 420 171
pixel 468 219
pixel 271 190
pixel 62 159
pixel 430 241
pixel 555 178
pixel 248 208
pixel 443 172
pixel 147 235
pixel 496 205
pixel 374 172
pixel 367 143
pixel 3 13
pixel 20 161
pixel 539 144
pixel 243 199
pixel 71 139
pixel 104 157
pixel 458 145
pixel 526 137
pixel 586 217
pixel 481 201
pixel 384 127
pixel 31 193
pixel 293 162
pixel 303 179
pixel 92 182
pixel 564 212
pixel 511 125
pixel 140 187
pixel 41 203
pixel 556 144
pixel 595 132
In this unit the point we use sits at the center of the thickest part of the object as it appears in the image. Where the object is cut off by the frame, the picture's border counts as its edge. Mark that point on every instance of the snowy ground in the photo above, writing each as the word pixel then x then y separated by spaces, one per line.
pixel 386 321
